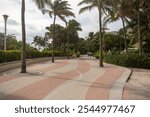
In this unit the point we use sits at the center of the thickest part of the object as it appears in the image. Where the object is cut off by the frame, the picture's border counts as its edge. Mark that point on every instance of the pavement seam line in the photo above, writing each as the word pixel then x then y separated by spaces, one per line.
pixel 115 92
pixel 60 88
pixel 71 85
pixel 12 83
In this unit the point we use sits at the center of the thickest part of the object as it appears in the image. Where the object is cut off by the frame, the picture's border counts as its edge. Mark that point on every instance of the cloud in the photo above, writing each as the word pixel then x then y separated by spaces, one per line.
pixel 13 22
pixel 36 21
pixel 16 2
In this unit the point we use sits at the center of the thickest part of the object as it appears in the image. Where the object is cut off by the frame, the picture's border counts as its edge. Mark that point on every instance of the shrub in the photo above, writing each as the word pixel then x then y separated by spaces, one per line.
pixel 14 55
pixel 97 55
pixel 11 55
pixel 129 60
pixel 74 54
pixel 78 54
pixel 2 56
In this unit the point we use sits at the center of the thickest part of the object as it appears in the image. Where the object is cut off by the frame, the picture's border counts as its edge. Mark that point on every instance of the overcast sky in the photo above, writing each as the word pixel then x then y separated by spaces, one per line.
pixel 36 21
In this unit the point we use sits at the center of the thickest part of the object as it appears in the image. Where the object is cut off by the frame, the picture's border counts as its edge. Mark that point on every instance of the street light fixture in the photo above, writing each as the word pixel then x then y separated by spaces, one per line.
pixel 5 19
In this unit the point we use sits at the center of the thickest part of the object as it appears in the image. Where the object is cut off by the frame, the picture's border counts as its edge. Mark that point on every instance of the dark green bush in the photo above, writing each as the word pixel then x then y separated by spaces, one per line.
pixel 78 54
pixel 2 56
pixel 73 53
pixel 14 55
pixel 97 55
pixel 7 56
pixel 129 60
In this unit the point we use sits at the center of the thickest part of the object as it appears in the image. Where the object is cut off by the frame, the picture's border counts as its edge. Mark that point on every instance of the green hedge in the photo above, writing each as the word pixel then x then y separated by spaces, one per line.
pixel 14 55
pixel 36 54
pixel 7 56
pixel 129 60
pixel 96 55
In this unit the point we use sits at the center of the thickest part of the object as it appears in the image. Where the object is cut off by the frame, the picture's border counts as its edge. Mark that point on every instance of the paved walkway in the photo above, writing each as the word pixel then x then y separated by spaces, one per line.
pixel 65 79
pixel 138 86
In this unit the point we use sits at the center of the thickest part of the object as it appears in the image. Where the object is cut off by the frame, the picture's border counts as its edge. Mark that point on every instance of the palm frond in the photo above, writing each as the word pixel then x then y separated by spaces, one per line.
pixel 90 7
pixel 59 8
pixel 44 11
pixel 62 18
pixel 65 13
pixel 41 3
pixel 85 2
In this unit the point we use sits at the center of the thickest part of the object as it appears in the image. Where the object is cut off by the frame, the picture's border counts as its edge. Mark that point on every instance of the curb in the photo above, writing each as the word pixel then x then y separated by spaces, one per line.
pixel 116 93
pixel 16 64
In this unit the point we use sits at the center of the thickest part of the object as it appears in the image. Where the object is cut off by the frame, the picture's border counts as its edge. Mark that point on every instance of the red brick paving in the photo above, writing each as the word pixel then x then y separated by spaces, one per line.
pixel 101 87
pixel 98 90
pixel 5 79
pixel 41 88
pixel 53 67
pixel 36 67
pixel 125 93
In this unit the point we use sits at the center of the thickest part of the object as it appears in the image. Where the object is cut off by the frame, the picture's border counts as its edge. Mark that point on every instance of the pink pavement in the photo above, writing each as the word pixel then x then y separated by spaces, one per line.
pixel 97 89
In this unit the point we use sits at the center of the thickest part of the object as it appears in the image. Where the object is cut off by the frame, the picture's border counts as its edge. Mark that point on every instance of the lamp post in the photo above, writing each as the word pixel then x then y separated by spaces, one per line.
pixel 5 18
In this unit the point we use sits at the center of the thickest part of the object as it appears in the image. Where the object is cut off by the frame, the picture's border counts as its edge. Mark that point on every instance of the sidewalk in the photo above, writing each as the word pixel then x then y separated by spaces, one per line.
pixel 138 86
pixel 65 79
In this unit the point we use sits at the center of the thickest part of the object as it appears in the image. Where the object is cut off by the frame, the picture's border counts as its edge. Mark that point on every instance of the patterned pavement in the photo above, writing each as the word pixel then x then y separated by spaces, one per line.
pixel 65 79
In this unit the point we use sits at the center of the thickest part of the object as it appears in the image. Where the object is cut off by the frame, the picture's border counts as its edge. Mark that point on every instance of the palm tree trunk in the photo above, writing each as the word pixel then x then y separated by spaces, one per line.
pixel 100 39
pixel 23 53
pixel 53 39
pixel 124 30
pixel 120 44
pixel 139 35
pixel 67 41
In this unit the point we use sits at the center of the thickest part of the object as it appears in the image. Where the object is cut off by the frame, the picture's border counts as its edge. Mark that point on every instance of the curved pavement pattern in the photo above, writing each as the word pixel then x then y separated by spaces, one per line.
pixel 65 79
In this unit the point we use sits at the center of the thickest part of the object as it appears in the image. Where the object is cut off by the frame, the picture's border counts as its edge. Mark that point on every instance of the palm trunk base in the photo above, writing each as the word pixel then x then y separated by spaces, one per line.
pixel 23 70
pixel 101 63
pixel 53 60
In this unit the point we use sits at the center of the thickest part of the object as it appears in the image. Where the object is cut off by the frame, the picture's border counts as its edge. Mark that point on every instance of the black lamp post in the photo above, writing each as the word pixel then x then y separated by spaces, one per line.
pixel 5 19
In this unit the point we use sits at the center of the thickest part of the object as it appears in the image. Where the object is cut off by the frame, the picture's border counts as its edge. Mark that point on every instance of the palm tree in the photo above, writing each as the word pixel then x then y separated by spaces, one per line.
pixel 39 42
pixel 59 9
pixel 23 54
pixel 131 9
pixel 40 4
pixel 101 5
pixel 72 27
pixel 60 34
pixel 116 14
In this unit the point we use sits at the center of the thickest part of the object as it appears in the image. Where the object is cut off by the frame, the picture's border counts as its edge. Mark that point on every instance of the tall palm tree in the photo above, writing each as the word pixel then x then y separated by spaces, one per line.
pixel 23 54
pixel 40 4
pixel 60 9
pixel 131 9
pixel 101 5
pixel 115 14
pixel 113 17
pixel 72 27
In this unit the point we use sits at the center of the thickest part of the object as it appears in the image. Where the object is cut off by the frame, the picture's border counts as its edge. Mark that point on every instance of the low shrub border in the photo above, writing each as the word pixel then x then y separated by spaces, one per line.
pixel 129 60
pixel 15 55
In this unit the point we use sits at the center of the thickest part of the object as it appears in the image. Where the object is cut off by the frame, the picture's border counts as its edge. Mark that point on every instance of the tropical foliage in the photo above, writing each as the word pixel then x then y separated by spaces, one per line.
pixel 59 9
pixel 134 34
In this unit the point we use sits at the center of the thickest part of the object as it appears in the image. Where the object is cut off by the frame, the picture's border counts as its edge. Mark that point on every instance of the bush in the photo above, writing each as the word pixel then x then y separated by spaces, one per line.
pixel 129 60
pixel 7 56
pixel 14 55
pixel 97 55
pixel 78 54
pixel 73 53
